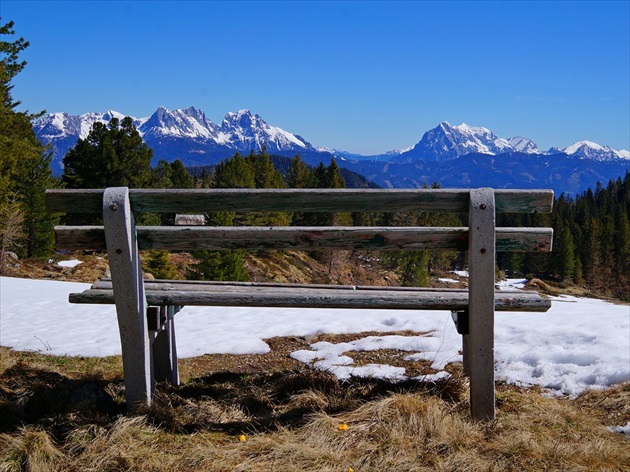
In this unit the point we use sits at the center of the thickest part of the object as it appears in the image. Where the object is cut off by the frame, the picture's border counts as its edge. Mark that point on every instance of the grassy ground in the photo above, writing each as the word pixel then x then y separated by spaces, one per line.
pixel 269 413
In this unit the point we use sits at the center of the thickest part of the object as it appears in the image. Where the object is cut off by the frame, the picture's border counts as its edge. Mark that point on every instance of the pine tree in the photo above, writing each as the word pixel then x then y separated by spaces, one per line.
pixel 158 264
pixel 333 177
pixel 565 253
pixel 622 249
pixel 235 172
pixel 413 267
pixel 11 223
pixel 300 176
pixel 593 262
pixel 330 177
pixel 112 155
pixel 33 178
pixel 218 265
pixel 320 174
pixel 180 176
pixel 24 162
pixel 265 174
pixel 162 175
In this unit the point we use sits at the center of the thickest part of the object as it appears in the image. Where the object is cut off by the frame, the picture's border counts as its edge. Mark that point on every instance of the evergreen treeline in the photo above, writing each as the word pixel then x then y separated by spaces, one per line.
pixel 591 240
pixel 25 225
pixel 257 171
pixel 283 165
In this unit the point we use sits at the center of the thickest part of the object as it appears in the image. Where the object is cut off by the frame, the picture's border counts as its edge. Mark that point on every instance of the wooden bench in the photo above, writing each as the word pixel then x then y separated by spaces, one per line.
pixel 146 309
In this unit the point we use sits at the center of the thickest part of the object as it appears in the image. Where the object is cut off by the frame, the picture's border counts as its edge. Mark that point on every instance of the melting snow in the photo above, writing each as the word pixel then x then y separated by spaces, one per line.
pixel 579 343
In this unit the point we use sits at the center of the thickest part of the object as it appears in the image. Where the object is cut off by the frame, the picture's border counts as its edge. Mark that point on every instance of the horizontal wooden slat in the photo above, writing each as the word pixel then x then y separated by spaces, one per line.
pixel 304 238
pixel 290 200
pixel 204 285
pixel 317 297
pixel 200 285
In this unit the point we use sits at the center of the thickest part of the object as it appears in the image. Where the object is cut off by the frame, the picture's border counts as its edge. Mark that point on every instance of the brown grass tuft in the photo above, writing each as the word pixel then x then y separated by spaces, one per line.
pixel 611 405
pixel 290 421
pixel 32 450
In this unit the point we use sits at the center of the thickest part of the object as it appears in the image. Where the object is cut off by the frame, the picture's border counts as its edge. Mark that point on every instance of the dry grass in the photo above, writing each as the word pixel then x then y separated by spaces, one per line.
pixel 66 414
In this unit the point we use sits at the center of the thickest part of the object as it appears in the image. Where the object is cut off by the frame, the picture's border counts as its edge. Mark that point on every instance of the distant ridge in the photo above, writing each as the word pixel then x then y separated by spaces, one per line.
pixel 188 135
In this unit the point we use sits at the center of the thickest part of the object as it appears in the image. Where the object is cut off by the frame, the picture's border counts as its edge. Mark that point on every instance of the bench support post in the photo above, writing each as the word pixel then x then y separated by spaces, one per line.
pixel 128 287
pixel 164 349
pixel 479 343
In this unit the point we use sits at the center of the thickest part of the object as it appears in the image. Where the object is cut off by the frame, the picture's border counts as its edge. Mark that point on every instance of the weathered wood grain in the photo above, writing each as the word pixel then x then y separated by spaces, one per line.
pixel 480 338
pixel 164 349
pixel 131 307
pixel 331 297
pixel 290 200
pixel 306 238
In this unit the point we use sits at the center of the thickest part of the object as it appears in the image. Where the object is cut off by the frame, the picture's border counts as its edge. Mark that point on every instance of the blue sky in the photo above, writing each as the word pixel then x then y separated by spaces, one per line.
pixel 365 77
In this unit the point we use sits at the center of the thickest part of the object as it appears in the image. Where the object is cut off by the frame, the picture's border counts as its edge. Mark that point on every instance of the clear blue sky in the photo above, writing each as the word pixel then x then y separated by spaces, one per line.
pixel 365 77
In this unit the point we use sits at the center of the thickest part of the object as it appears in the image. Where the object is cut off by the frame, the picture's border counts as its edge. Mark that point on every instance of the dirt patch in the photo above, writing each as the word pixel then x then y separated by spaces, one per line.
pixel 278 358
pixel 92 267
pixel 336 267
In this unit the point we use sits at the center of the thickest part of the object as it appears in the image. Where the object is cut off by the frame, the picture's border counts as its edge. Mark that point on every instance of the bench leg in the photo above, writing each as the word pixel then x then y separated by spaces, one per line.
pixel 479 343
pixel 466 354
pixel 131 306
pixel 165 350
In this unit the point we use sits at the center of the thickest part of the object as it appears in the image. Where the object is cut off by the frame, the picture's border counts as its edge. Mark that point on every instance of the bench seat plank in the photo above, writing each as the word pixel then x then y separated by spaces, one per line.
pixel 270 295
pixel 305 238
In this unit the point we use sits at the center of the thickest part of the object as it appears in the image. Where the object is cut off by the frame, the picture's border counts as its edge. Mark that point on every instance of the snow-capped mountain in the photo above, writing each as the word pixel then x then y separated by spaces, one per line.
pixel 239 131
pixel 521 144
pixel 449 142
pixel 590 150
pixel 58 125
pixel 462 155
pixel 242 130
pixel 188 123
pixel 177 134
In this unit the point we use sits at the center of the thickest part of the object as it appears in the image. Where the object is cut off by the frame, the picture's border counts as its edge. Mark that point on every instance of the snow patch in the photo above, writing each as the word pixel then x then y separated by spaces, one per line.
pixel 72 263
pixel 579 343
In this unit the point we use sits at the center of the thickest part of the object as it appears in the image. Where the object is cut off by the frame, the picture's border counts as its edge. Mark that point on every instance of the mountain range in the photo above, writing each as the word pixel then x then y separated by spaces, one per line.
pixel 454 156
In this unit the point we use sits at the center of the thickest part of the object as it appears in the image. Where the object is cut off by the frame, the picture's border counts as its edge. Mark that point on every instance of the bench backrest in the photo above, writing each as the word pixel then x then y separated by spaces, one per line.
pixel 302 200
